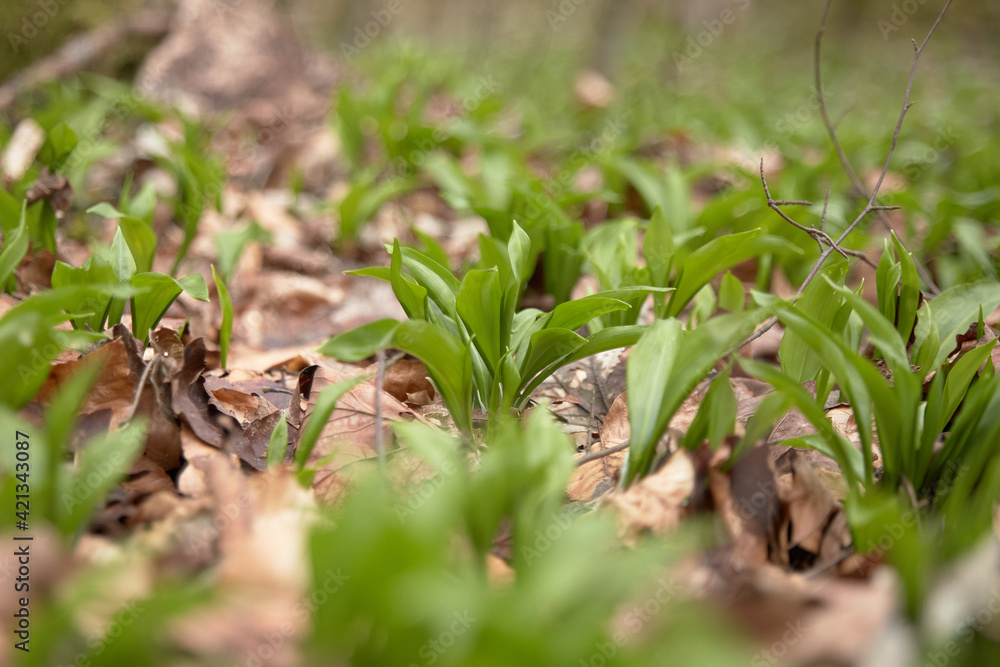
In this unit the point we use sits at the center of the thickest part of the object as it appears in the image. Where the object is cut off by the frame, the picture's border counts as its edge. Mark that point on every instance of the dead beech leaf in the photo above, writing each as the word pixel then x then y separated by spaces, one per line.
pixel 746 499
pixel 657 503
pixel 190 400
pixel 596 477
pixel 403 378
pixel 350 433
pixel 809 508
pixel 108 406
pixel 582 393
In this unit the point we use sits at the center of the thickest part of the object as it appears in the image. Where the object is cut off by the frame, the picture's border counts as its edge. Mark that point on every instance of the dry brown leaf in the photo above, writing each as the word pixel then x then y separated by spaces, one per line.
pixel 809 508
pixel 658 502
pixel 350 434
pixel 597 477
pixel 405 377
pixel 582 393
pixel 747 500
pixel 108 406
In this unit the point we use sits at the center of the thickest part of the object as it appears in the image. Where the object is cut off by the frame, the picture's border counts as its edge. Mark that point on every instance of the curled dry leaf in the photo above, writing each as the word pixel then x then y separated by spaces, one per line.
pixel 747 500
pixel 404 379
pixel 810 512
pixel 658 502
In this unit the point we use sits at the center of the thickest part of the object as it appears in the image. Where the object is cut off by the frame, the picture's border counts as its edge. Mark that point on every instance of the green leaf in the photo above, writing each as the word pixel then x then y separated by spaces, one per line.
pixel 658 385
pixel 15 246
pixel 522 259
pixel 59 143
pixel 479 306
pixel 380 272
pixel 123 266
pixel 448 362
pixel 226 305
pixel 909 296
pixel 883 334
pixel 887 276
pixel 441 285
pixel 149 307
pixel 547 347
pixel 650 367
pixel 229 246
pixel 954 310
pixel 101 465
pixel 362 342
pixel 432 249
pixel 830 443
pixel 410 296
pixel 731 294
pixel 716 415
pixel 959 378
pixel 141 240
pixel 278 443
pixel 658 248
pixel 718 255
pixel 106 210
pixel 325 404
pixel 95 271
pixel 821 302
pixel 194 286
pixel 574 314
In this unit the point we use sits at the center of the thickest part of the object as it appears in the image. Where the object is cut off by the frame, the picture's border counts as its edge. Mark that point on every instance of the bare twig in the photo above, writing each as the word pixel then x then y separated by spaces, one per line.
pixel 142 383
pixel 870 207
pixel 379 378
pixel 594 456
pixel 818 235
pixel 831 130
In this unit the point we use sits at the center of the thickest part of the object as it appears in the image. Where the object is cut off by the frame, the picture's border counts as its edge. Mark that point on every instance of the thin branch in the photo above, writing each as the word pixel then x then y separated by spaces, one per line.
pixel 594 456
pixel 870 206
pixel 818 235
pixel 379 378
pixel 831 130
